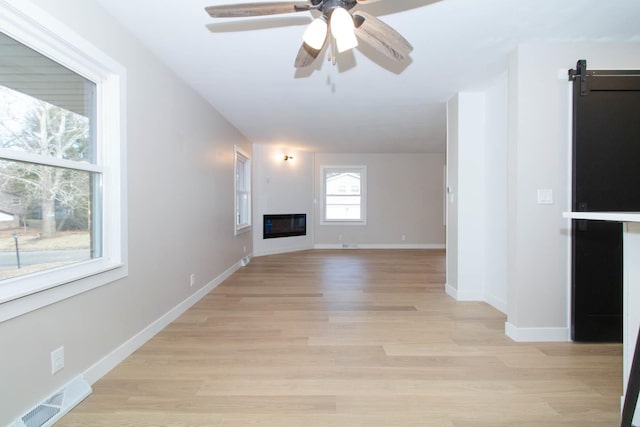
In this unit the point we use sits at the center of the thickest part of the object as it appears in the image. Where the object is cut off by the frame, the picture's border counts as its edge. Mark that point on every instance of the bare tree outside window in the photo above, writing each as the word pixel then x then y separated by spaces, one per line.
pixel 54 213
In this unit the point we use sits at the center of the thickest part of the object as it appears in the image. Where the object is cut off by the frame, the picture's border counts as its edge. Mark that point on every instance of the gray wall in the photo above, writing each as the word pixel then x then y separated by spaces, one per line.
pixel 539 158
pixel 180 214
pixel 404 197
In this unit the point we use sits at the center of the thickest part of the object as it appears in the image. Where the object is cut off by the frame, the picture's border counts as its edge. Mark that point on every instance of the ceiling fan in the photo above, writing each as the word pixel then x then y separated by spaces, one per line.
pixel 336 26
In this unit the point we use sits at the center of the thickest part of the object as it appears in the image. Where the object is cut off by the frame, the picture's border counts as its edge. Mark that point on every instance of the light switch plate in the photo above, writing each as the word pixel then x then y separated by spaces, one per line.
pixel 57 360
pixel 545 197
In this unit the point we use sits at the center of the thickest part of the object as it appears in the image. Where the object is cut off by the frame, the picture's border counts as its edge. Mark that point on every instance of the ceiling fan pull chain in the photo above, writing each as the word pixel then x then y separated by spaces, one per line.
pixel 334 55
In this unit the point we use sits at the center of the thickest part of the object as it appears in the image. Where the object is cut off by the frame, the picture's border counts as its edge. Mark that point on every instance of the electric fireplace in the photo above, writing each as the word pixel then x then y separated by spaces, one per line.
pixel 284 225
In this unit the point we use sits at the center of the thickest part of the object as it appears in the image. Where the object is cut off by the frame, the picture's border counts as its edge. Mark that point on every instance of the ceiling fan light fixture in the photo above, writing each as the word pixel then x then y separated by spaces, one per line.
pixel 343 29
pixel 316 33
pixel 346 42
pixel 330 14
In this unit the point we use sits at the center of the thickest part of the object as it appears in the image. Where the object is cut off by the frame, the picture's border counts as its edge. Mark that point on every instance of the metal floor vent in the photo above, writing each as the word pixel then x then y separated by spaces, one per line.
pixel 54 407
pixel 44 412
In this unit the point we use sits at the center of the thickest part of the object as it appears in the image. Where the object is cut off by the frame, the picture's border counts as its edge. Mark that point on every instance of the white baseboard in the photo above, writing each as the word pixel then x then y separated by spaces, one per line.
pixel 536 334
pixel 284 250
pixel 110 361
pixel 464 295
pixel 476 296
pixel 451 291
pixel 377 246
pixel 496 303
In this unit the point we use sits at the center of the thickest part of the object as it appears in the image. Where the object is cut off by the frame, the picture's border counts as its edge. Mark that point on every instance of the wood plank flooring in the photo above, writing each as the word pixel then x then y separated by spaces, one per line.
pixel 351 338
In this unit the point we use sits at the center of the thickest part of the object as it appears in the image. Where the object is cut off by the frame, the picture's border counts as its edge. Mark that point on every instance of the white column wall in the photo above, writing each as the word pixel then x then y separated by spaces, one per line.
pixel 476 204
pixel 451 202
pixel 495 195
pixel 471 196
pixel 281 187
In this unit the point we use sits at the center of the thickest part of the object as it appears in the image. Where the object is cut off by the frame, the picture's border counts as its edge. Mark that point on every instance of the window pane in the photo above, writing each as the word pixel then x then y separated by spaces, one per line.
pixel 242 190
pixel 241 175
pixel 343 198
pixel 51 215
pixel 53 225
pixel 343 208
pixel 243 209
pixel 342 183
pixel 45 108
pixel 343 212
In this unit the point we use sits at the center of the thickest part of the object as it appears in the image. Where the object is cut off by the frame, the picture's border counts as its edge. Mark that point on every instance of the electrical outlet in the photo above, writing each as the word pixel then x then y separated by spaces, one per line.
pixel 192 279
pixel 244 249
pixel 57 360
pixel 404 237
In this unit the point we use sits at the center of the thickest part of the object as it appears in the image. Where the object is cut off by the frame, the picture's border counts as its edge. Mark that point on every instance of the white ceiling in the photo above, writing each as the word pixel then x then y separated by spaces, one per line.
pixel 244 67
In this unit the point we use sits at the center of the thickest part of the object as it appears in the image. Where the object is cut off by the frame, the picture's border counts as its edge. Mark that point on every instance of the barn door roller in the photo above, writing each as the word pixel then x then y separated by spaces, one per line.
pixel 580 73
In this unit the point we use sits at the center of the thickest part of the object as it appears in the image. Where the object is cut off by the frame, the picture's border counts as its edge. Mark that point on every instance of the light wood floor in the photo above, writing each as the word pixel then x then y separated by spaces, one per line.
pixel 351 338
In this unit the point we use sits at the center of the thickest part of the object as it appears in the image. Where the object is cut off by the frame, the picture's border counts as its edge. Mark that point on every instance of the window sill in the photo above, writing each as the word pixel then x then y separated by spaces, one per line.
pixel 243 230
pixel 24 294
pixel 343 222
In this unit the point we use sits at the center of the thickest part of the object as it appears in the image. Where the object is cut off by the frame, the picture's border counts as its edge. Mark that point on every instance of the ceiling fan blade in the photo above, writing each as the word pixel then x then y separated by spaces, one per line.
pixel 306 55
pixel 256 9
pixel 381 36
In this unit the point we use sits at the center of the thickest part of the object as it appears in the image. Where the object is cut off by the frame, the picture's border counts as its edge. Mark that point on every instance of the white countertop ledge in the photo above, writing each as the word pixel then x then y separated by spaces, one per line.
pixel 604 216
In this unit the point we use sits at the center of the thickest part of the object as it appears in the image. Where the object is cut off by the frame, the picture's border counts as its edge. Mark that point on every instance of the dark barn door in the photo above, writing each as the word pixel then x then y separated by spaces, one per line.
pixel 606 177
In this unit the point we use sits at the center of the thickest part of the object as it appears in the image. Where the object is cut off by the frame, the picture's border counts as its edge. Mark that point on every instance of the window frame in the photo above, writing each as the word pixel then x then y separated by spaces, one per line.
pixel 240 155
pixel 37 30
pixel 362 170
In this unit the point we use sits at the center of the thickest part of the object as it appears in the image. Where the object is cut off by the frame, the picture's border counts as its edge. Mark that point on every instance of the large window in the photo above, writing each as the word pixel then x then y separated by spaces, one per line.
pixel 50 182
pixel 61 201
pixel 344 194
pixel 243 191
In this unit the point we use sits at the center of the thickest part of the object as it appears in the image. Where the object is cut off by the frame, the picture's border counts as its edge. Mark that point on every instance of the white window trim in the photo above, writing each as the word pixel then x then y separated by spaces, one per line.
pixel 33 27
pixel 242 228
pixel 362 169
